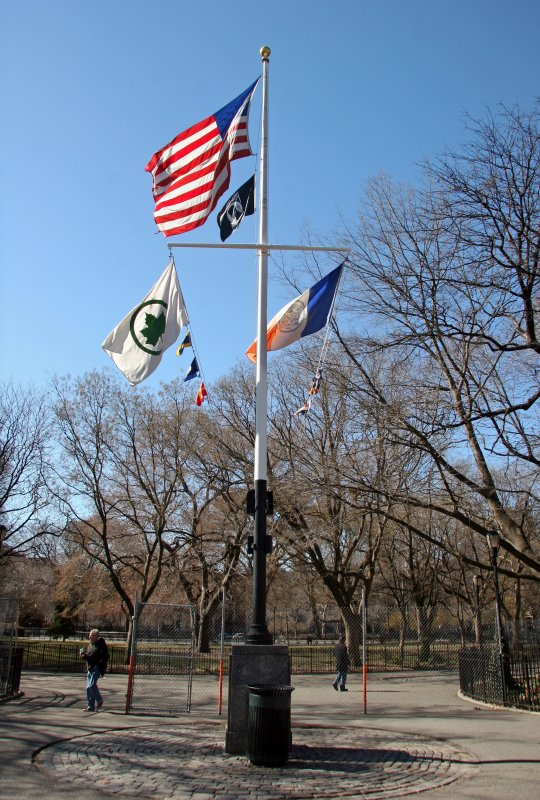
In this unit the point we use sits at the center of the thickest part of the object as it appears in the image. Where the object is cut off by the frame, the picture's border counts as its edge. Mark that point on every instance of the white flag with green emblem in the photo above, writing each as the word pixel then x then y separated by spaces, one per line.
pixel 138 342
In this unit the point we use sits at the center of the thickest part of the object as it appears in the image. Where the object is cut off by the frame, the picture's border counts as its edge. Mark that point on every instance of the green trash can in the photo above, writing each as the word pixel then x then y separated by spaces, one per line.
pixel 269 724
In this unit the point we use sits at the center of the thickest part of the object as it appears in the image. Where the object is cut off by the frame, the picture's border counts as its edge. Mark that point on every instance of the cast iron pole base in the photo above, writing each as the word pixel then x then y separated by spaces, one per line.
pixel 258 632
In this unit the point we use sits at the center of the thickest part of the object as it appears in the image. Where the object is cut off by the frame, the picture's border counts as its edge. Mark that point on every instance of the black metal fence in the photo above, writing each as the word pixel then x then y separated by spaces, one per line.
pixel 306 659
pixel 55 656
pixel 509 679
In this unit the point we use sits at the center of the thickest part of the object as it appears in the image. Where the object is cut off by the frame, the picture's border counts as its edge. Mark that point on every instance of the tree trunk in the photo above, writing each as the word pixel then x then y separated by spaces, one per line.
pixel 478 627
pixel 353 632
pixel 516 627
pixel 317 627
pixel 203 634
pixel 424 633
pixel 403 624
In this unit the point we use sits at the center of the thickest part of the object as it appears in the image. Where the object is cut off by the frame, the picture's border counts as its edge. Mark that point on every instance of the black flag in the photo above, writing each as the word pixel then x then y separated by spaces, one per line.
pixel 193 371
pixel 241 204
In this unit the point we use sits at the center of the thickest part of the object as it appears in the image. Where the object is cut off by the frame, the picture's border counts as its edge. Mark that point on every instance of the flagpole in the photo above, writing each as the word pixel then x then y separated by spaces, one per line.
pixel 258 632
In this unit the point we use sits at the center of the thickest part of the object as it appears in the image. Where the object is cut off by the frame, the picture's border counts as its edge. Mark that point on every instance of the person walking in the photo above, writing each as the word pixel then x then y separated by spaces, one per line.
pixel 342 665
pixel 96 656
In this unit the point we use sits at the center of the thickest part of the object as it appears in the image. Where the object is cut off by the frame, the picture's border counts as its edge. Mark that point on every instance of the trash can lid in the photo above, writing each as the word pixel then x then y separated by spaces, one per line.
pixel 270 689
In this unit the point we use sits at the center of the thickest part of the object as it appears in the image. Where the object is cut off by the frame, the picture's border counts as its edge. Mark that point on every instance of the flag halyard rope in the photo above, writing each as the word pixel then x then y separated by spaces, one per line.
pixel 315 384
pixel 203 392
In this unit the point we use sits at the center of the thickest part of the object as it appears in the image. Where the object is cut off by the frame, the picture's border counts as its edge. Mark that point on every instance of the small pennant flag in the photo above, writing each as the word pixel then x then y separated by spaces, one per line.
pixel 186 342
pixel 201 394
pixel 315 384
pixel 303 409
pixel 193 371
pixel 241 204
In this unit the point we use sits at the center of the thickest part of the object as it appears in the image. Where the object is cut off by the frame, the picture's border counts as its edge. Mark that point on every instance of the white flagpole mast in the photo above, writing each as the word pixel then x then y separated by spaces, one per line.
pixel 258 632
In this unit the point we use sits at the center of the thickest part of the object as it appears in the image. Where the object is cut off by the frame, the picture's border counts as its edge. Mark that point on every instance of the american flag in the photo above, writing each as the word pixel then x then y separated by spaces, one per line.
pixel 192 172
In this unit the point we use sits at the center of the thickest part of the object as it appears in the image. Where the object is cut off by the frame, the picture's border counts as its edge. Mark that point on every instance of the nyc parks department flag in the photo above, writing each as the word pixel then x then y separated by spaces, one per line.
pixel 138 342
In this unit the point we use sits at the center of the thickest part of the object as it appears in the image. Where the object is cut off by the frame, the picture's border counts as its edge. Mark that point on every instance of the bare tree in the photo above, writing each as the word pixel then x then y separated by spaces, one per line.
pixel 446 279
pixel 32 582
pixel 122 477
pixel 326 522
pixel 220 525
pixel 23 456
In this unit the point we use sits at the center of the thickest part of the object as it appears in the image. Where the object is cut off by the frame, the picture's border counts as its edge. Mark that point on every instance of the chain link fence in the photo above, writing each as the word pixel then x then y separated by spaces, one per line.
pixel 161 663
pixel 175 669
pixel 394 645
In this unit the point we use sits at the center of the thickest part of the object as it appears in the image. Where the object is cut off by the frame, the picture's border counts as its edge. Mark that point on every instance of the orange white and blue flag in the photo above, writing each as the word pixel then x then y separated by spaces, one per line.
pixel 190 174
pixel 304 315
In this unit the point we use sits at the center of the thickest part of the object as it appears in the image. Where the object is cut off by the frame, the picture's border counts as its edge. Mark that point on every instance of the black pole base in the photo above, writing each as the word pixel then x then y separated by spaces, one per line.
pixel 259 634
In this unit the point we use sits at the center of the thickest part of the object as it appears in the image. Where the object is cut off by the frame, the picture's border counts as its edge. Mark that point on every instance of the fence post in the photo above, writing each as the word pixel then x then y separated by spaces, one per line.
pixel 364 650
pixel 221 650
pixel 129 692
pixel 527 677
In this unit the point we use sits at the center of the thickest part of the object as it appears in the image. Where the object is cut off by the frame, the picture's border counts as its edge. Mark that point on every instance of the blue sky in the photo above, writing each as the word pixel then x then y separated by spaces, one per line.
pixel 89 91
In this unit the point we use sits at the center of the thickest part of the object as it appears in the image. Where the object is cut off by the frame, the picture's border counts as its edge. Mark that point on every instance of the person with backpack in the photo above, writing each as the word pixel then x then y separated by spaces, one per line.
pixel 96 656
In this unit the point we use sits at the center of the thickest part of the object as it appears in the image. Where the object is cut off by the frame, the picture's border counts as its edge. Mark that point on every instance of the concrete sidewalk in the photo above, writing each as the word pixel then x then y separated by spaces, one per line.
pixel 418 736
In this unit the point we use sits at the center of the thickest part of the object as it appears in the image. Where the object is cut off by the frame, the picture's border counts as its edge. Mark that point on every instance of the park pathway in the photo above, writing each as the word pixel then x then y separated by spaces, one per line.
pixel 418 736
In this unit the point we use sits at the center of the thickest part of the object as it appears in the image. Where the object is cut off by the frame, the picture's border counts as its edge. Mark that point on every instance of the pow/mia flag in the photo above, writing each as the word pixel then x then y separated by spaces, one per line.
pixel 241 204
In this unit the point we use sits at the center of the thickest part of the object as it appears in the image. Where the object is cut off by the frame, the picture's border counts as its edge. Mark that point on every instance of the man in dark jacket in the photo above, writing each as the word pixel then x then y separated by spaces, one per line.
pixel 342 665
pixel 96 656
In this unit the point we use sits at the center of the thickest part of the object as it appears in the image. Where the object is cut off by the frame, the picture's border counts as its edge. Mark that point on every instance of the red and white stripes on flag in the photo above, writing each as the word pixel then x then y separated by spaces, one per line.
pixel 192 172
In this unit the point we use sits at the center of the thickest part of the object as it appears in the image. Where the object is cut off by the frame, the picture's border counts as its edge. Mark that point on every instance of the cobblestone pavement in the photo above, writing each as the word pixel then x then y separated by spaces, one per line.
pixel 418 736
pixel 189 762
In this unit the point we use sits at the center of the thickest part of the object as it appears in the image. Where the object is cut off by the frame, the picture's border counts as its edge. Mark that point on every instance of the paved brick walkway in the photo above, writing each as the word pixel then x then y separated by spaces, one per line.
pixel 189 762
pixel 418 736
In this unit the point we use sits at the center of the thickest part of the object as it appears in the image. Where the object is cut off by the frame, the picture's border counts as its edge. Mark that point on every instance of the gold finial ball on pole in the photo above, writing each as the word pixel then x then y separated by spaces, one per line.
pixel 265 52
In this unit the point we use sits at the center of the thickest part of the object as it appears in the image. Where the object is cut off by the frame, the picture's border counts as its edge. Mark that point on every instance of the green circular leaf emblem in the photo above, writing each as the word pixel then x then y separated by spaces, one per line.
pixel 154 327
